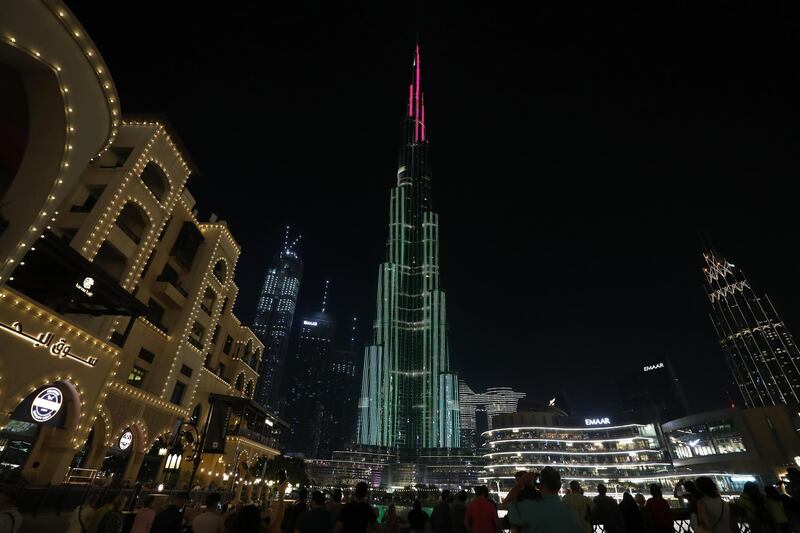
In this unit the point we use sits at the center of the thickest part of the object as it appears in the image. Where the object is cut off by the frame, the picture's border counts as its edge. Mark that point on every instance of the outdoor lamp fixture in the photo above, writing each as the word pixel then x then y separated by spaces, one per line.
pixel 160 487
pixel 162 451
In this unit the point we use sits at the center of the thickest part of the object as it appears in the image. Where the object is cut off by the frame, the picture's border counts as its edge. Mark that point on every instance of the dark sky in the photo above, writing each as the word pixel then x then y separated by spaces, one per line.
pixel 577 153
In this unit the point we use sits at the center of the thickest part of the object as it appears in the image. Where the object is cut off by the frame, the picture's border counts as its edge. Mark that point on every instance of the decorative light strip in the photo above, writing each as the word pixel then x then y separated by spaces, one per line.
pixel 583 441
pixel 576 465
pixel 544 452
pixel 556 428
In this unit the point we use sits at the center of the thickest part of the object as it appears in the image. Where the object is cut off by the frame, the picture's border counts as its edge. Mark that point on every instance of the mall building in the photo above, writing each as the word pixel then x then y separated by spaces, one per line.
pixel 732 446
pixel 119 345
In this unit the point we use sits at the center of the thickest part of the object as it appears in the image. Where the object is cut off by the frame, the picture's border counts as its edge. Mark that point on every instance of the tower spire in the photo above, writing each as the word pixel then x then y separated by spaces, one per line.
pixel 325 295
pixel 416 98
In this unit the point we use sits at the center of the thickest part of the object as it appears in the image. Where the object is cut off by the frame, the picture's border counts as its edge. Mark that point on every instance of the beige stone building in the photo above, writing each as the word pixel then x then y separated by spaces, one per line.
pixel 116 323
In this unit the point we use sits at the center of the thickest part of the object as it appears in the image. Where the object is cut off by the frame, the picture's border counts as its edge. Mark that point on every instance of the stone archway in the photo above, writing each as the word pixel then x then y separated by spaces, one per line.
pixel 38 434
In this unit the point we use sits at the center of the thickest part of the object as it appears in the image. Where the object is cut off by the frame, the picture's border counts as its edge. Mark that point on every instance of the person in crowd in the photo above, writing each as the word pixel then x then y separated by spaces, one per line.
pixel 170 519
pixel 358 515
pixel 753 507
pixel 79 521
pixel 144 516
pixel 274 519
pixel 441 518
pixel 458 510
pixel 210 520
pixel 657 512
pixel 580 505
pixel 94 521
pixel 334 506
pixel 317 519
pixel 390 522
pixel 10 517
pixel 713 513
pixel 688 492
pixel 294 511
pixel 417 518
pixel 112 522
pixel 230 514
pixel 247 520
pixel 481 515
pixel 774 503
pixel 547 515
pixel 634 521
pixel 640 501
pixel 606 511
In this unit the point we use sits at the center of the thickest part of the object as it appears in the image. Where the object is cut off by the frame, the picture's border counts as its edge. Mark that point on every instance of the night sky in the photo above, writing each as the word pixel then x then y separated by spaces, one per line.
pixel 578 152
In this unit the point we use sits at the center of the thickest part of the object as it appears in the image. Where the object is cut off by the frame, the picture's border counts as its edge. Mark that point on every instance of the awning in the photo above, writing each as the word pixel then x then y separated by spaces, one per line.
pixel 57 276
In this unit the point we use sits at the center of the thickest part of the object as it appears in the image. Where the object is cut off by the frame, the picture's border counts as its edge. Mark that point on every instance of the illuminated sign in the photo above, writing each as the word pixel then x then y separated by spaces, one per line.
pixel 125 440
pixel 309 322
pixel 597 421
pixel 47 404
pixel 648 368
pixel 45 340
pixel 86 286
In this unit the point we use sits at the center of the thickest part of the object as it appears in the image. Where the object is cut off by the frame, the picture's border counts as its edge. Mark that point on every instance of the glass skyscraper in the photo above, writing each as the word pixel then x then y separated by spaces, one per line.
pixel 273 320
pixel 761 353
pixel 409 397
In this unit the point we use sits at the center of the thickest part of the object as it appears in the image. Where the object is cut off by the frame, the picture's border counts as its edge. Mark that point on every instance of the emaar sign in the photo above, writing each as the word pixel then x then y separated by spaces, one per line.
pixel 656 366
pixel 597 421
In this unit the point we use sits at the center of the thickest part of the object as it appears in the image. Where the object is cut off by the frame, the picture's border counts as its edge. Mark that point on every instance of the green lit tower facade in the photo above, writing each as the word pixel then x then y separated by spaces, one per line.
pixel 409 397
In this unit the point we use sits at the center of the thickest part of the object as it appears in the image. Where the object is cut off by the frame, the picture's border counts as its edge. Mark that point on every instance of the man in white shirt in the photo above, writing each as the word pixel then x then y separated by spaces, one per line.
pixel 210 520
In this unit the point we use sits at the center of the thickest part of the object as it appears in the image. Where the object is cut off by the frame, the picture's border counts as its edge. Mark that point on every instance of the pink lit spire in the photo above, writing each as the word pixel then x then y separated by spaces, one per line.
pixel 416 101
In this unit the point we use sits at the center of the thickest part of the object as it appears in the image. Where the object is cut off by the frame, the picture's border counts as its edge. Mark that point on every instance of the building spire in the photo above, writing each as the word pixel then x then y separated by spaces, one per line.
pixel 416 99
pixel 325 295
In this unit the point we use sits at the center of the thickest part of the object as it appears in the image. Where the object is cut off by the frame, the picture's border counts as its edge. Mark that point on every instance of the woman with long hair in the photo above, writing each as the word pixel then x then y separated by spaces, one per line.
pixel 634 522
pixel 713 514
pixel 390 521
pixel 754 509
pixel 774 502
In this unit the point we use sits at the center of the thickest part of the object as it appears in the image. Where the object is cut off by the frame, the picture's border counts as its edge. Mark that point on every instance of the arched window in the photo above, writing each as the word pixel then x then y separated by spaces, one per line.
pixel 240 382
pixel 132 221
pixel 248 390
pixel 155 180
pixel 255 359
pixel 195 418
pixel 209 297
pixel 220 271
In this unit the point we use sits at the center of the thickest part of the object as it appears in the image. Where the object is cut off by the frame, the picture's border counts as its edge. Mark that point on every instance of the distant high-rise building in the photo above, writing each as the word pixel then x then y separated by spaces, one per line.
pixel 409 395
pixel 761 352
pixel 651 392
pixel 273 320
pixel 320 396
pixel 477 409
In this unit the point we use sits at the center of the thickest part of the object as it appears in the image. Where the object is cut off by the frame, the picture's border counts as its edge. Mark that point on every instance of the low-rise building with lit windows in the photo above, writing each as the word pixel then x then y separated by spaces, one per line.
pixel 623 456
pixel 115 300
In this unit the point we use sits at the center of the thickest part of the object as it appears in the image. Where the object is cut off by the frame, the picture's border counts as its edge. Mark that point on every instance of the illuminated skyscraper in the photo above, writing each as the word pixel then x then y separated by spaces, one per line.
pixel 478 408
pixel 761 353
pixel 409 397
pixel 273 320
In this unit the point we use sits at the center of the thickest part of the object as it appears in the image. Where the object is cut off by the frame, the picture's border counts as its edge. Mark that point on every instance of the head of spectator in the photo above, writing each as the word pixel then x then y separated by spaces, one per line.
pixel 627 499
pixel 212 501
pixel 462 496
pixel 655 491
pixel 445 495
pixel 639 499
pixel 336 495
pixel 707 487
pixel 601 489
pixel 549 480
pixel 361 491
pixel 317 499
pixel 417 505
pixel 575 487
pixel 302 494
pixel 691 488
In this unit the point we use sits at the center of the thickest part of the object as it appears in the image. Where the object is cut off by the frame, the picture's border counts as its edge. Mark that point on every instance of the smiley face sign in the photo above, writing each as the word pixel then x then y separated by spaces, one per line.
pixel 125 440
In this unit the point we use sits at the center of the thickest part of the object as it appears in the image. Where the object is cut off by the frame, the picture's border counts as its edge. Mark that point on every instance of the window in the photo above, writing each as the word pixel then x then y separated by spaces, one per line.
pixel 227 346
pixel 209 297
pixel 147 355
pixel 186 371
pixel 136 377
pixel 156 314
pixel 219 271
pixel 177 393
pixel 196 335
pixel 155 180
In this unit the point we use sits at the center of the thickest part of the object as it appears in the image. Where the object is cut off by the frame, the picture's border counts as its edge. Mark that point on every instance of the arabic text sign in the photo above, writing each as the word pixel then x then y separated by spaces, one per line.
pixel 45 340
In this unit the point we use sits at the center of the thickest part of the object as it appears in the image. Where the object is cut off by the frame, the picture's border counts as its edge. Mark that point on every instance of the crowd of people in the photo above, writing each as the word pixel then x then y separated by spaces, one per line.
pixel 534 505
